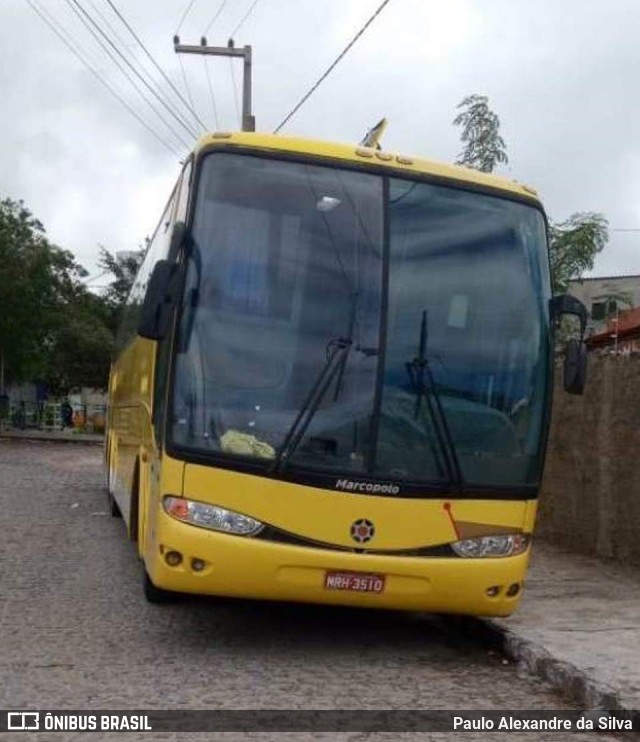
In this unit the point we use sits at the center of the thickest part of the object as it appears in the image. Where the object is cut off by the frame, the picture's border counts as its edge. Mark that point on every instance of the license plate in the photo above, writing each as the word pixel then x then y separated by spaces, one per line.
pixel 359 582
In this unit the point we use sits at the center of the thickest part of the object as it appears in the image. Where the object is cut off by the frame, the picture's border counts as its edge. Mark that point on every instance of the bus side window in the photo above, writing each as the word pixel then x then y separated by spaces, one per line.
pixel 183 193
pixel 157 249
pixel 162 354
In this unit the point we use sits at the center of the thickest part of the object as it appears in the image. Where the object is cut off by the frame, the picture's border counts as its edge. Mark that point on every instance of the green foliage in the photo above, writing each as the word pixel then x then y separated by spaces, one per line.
pixel 574 242
pixel 28 291
pixel 484 147
pixel 81 345
pixel 124 272
pixel 573 245
pixel 52 328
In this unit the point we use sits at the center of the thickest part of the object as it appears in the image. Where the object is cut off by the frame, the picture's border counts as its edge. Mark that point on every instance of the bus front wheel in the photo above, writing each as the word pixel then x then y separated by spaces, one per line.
pixel 155 594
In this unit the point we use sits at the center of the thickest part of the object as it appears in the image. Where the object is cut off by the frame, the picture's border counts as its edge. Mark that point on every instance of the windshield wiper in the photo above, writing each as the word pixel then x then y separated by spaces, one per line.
pixel 417 369
pixel 337 353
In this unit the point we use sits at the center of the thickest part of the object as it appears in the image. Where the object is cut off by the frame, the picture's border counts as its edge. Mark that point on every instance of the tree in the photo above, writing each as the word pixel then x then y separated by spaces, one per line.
pixel 27 291
pixel 484 147
pixel 573 245
pixel 52 328
pixel 81 345
pixel 574 242
pixel 123 270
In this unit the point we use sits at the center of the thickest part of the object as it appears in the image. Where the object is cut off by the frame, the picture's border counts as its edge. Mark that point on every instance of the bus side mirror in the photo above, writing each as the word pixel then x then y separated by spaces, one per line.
pixel 575 367
pixel 575 352
pixel 567 304
pixel 155 313
pixel 178 239
pixel 160 298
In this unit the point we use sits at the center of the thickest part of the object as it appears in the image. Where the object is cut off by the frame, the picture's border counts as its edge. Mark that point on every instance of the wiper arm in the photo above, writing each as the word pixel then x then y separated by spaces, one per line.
pixel 343 360
pixel 339 351
pixel 337 354
pixel 417 369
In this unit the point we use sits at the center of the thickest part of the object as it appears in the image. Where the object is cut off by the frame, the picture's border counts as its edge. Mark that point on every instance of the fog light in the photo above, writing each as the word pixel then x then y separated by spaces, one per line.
pixel 513 590
pixel 492 591
pixel 173 558
pixel 197 565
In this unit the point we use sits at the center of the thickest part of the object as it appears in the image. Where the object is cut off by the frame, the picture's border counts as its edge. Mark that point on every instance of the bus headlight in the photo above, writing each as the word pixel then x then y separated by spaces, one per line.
pixel 492 546
pixel 211 516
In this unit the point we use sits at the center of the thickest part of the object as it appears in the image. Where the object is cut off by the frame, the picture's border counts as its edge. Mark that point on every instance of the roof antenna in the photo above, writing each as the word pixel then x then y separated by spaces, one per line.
pixel 373 136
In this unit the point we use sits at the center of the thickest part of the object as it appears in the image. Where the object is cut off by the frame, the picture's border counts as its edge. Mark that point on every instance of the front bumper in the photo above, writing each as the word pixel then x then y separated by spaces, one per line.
pixel 251 568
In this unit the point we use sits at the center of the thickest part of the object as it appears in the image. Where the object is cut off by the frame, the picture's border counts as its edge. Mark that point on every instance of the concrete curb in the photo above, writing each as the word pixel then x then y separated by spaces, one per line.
pixel 33 438
pixel 572 682
pixel 565 677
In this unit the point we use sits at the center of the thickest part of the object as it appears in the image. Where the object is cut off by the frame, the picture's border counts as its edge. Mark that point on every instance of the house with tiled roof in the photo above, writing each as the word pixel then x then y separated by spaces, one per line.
pixel 622 333
pixel 606 297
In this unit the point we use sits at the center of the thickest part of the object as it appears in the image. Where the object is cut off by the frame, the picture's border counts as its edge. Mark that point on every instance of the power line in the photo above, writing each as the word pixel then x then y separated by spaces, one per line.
pixel 156 65
pixel 184 15
pixel 74 50
pixel 331 67
pixel 216 16
pixel 244 18
pixel 187 88
pixel 213 99
pixel 106 22
pixel 171 112
pixel 620 229
pixel 95 278
pixel 125 45
pixel 126 74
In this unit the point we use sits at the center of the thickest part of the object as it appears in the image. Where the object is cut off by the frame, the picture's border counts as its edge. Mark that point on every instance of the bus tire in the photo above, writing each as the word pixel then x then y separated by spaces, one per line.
pixel 155 594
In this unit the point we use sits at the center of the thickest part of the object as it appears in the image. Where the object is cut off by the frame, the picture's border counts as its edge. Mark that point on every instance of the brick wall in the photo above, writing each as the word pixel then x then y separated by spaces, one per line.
pixel 590 499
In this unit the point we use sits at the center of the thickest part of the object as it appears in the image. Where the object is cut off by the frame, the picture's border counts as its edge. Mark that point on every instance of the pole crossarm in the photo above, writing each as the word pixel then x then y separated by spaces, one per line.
pixel 215 51
pixel 248 120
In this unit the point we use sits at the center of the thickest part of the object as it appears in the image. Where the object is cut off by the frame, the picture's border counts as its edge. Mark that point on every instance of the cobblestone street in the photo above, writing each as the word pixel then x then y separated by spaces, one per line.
pixel 77 632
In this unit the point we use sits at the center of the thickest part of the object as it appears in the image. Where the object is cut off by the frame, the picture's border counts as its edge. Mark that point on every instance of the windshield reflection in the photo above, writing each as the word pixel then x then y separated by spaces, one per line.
pixel 287 262
pixel 475 266
pixel 291 262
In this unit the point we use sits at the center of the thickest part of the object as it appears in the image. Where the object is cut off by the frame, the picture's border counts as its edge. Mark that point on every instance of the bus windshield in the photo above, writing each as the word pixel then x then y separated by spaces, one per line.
pixel 428 304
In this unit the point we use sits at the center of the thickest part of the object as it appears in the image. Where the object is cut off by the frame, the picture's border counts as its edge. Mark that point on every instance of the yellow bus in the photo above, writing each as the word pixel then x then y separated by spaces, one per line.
pixel 332 383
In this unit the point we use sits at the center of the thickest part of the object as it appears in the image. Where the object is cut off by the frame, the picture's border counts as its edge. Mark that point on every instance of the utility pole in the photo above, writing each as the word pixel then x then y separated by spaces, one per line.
pixel 248 120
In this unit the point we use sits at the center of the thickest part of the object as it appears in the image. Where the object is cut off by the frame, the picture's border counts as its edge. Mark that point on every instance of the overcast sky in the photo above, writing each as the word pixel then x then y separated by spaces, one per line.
pixel 561 74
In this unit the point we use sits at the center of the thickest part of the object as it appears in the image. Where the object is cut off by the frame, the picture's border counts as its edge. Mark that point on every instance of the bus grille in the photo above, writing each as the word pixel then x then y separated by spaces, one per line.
pixel 269 533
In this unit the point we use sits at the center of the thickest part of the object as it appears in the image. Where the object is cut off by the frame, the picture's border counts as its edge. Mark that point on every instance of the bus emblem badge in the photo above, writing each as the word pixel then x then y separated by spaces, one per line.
pixel 362 531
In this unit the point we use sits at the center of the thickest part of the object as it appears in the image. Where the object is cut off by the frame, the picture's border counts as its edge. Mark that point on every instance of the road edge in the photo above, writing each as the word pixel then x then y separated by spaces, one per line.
pixel 32 438
pixel 571 681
